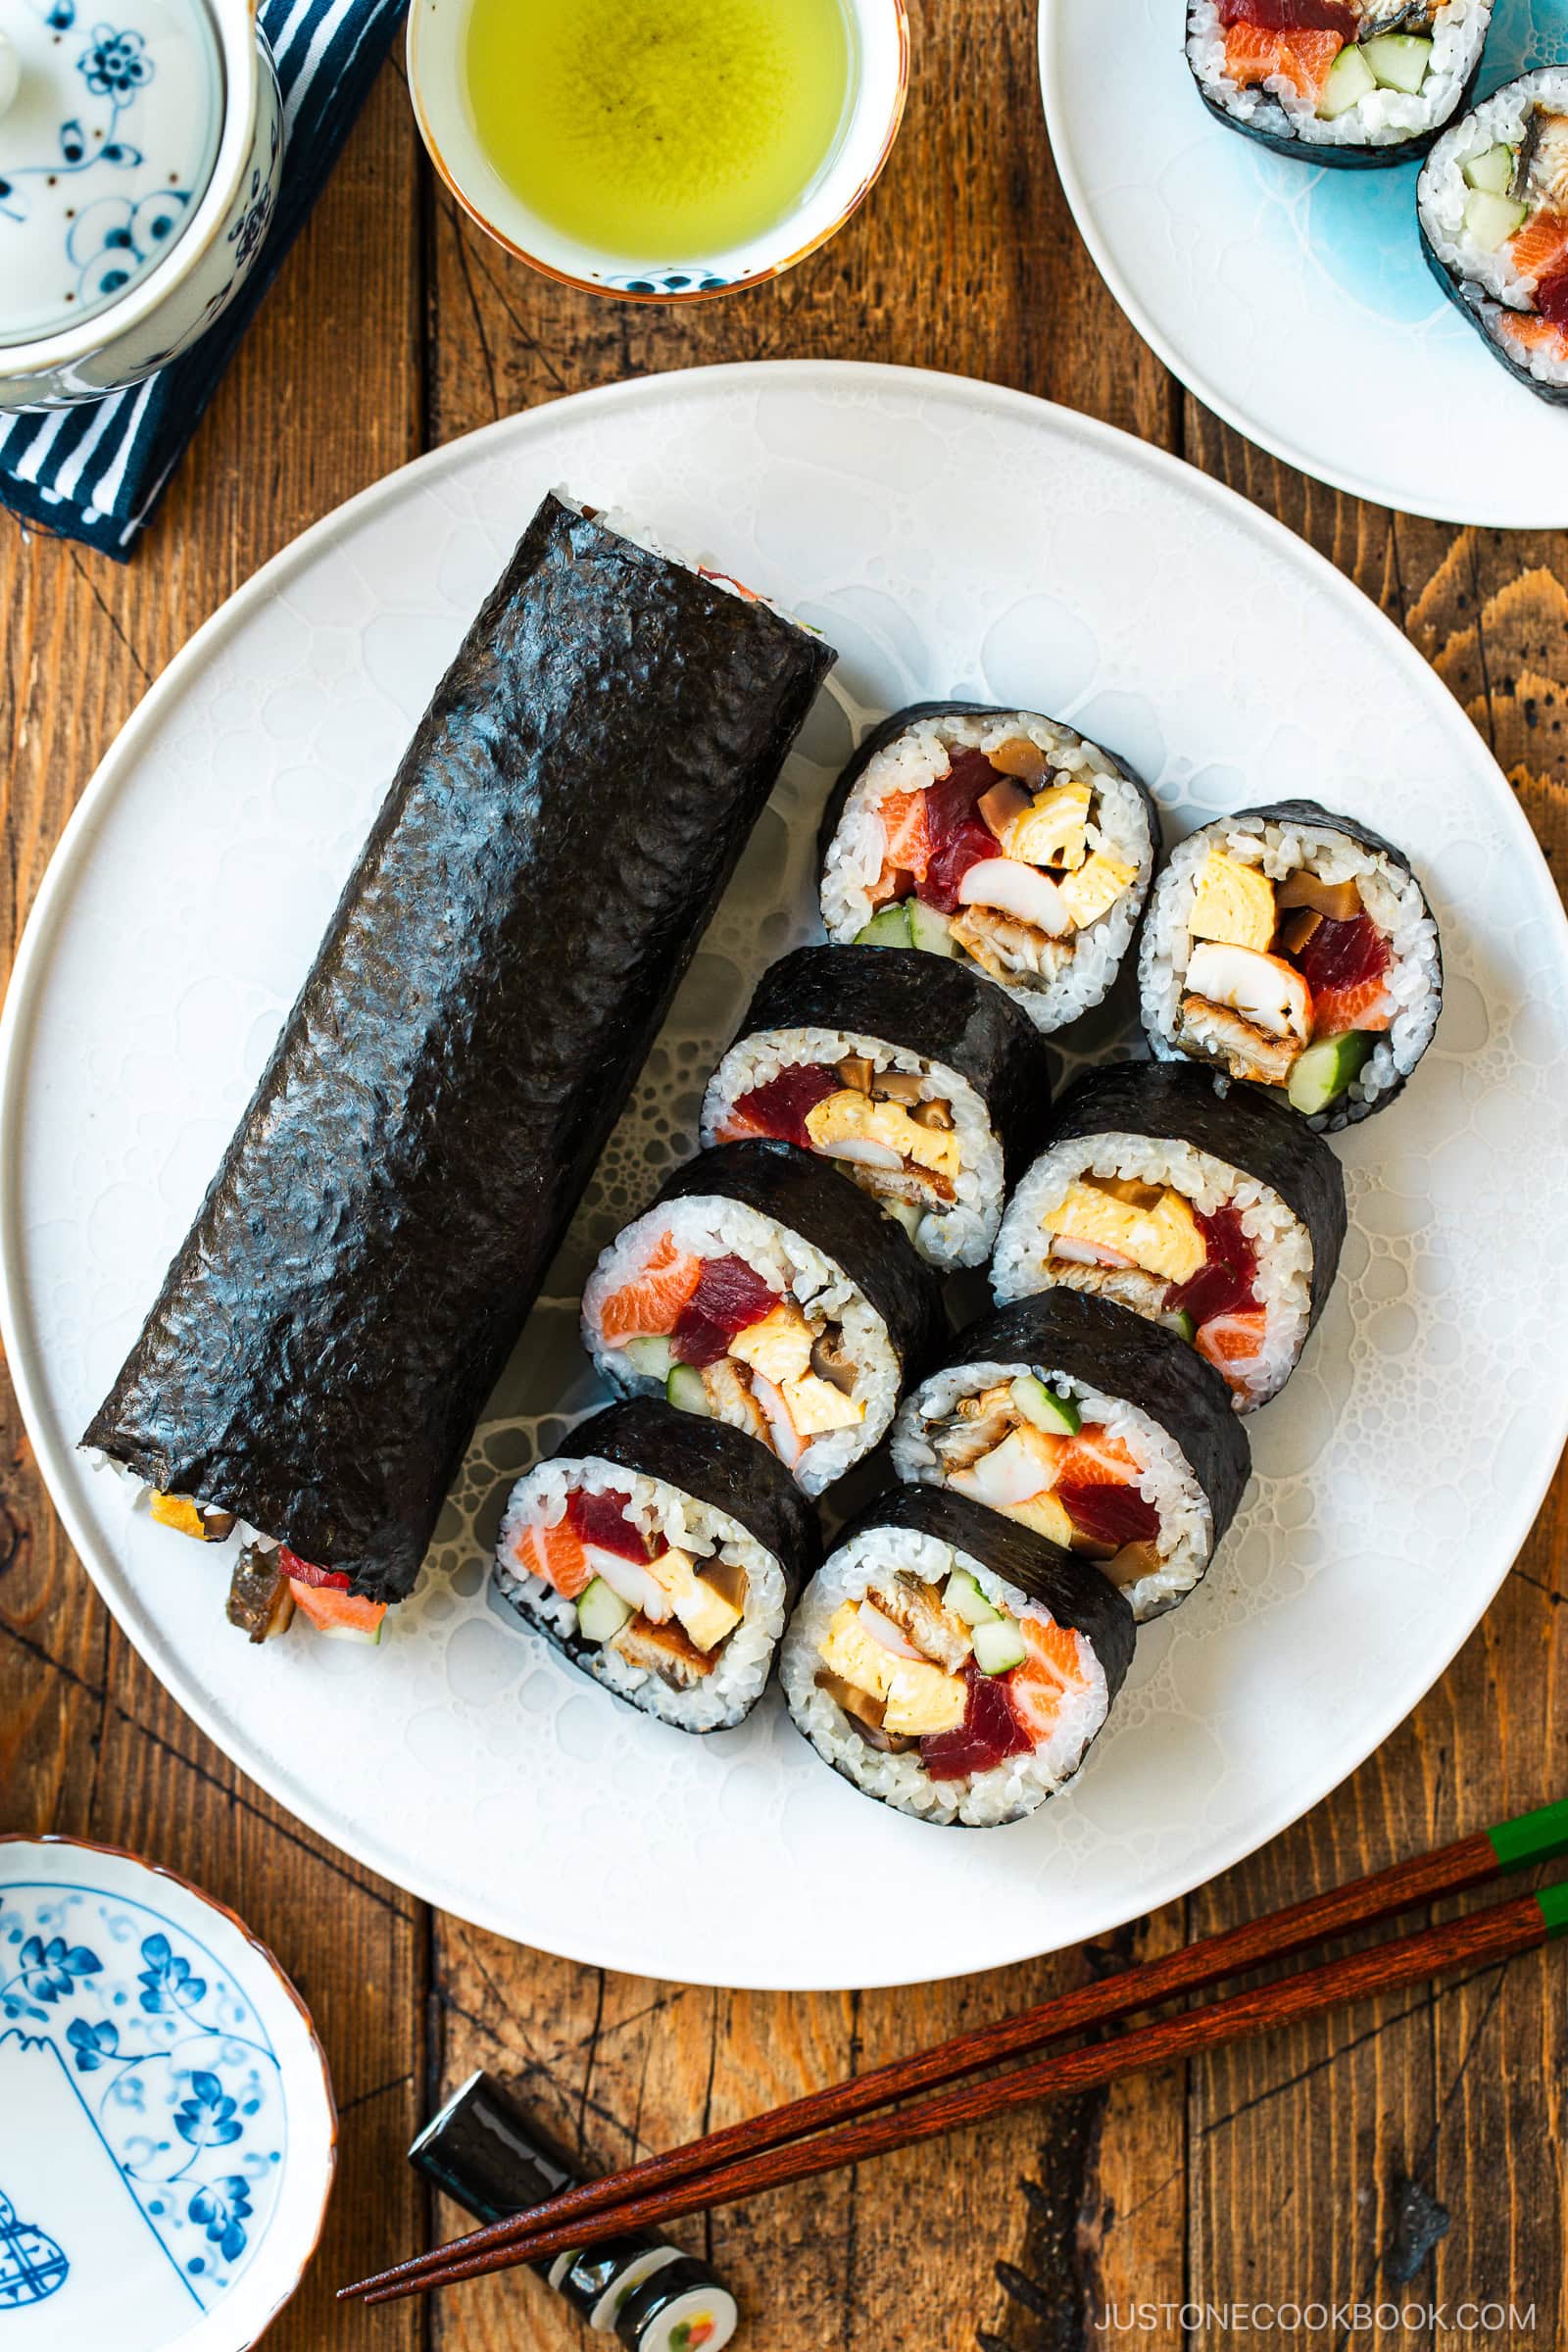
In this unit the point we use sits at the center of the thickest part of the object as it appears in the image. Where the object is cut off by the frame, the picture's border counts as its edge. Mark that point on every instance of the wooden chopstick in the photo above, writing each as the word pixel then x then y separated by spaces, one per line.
pixel 1496 1933
pixel 1536 1837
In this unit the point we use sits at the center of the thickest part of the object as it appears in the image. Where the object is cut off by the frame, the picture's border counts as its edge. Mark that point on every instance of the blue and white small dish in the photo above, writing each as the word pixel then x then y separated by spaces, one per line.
pixel 168 2135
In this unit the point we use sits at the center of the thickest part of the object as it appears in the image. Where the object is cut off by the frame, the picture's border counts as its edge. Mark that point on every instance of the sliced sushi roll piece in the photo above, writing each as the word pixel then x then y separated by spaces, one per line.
pixel 1219 1216
pixel 1346 82
pixel 998 837
pixel 1097 1430
pixel 952 1665
pixel 915 1077
pixel 661 1554
pixel 1492 200
pixel 764 1291
pixel 1294 949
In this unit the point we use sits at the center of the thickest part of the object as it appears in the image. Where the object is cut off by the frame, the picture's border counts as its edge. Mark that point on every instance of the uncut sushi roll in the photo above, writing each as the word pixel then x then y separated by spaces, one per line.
pixel 1293 949
pixel 1346 82
pixel 763 1290
pixel 660 1554
pixel 1221 1216
pixel 951 1664
pixel 1492 200
pixel 999 837
pixel 1106 1434
pixel 558 834
pixel 915 1077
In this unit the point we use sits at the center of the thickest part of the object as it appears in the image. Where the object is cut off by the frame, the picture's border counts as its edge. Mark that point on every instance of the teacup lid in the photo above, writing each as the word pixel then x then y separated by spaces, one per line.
pixel 109 127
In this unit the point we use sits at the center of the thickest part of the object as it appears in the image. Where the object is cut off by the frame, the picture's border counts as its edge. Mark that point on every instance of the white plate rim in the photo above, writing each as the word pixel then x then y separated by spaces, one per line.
pixel 1189 371
pixel 52 902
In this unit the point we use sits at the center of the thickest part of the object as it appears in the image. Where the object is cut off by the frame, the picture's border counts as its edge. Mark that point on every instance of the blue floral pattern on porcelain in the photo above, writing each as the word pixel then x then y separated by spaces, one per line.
pixel 140 158
pixel 667 281
pixel 172 2075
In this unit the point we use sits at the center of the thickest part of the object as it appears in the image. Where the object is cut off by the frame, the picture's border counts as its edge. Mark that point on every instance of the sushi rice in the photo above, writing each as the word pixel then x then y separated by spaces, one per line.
pixel 1025 1264
pixel 1383 118
pixel 918 757
pixel 1389 893
pixel 985 1800
pixel 687 1524
pixel 962 1235
pixel 712 1226
pixel 1166 1479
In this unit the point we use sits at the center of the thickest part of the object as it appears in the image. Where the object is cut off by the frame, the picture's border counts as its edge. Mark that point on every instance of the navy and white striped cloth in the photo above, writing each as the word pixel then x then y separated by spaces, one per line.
pixel 96 471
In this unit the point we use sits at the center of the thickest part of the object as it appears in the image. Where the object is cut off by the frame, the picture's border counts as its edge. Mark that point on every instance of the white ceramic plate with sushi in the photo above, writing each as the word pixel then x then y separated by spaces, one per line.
pixel 1397 1476
pixel 1295 300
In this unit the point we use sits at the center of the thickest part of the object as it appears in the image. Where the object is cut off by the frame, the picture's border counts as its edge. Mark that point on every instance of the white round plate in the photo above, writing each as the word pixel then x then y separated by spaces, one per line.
pixel 1292 299
pixel 949 537
pixel 168 2135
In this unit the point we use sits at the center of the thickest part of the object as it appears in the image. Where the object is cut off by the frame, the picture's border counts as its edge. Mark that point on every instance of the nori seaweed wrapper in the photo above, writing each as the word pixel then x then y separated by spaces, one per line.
pixel 1329 153
pixel 1313 813
pixel 1124 1354
pixel 806 1194
pixel 913 716
pixel 1073 1589
pixel 560 831
pixel 925 1005
pixel 716 1464
pixel 1244 1127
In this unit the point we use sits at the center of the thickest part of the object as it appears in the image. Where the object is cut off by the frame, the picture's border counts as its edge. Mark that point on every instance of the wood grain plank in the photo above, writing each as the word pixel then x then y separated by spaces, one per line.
pixel 326 396
pixel 965 258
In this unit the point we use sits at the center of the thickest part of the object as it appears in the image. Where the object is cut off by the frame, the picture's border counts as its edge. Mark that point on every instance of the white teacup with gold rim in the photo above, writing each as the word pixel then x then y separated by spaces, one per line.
pixel 659 150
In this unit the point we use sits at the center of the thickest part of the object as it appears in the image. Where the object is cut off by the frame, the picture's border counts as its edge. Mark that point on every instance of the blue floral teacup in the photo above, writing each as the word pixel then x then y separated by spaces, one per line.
pixel 140 151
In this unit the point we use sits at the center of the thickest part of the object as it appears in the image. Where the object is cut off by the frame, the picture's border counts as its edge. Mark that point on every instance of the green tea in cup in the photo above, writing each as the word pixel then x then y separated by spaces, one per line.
pixel 664 129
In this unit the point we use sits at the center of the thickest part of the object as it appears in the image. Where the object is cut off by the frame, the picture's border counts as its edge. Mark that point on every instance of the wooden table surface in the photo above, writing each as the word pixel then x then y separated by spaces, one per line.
pixel 1410 2153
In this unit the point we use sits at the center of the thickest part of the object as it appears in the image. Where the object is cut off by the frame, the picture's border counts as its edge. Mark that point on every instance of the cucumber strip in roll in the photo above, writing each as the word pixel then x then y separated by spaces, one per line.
pixel 1493 204
pixel 551 848
pixel 1094 1428
pixel 1352 84
pixel 952 1664
pixel 1219 1216
pixel 916 1078
pixel 661 1554
pixel 1002 837
pixel 1280 932
pixel 797 1308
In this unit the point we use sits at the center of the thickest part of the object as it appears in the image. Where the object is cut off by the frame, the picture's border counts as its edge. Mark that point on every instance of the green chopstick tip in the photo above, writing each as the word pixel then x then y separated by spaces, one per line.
pixel 1553 1902
pixel 1538 1836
